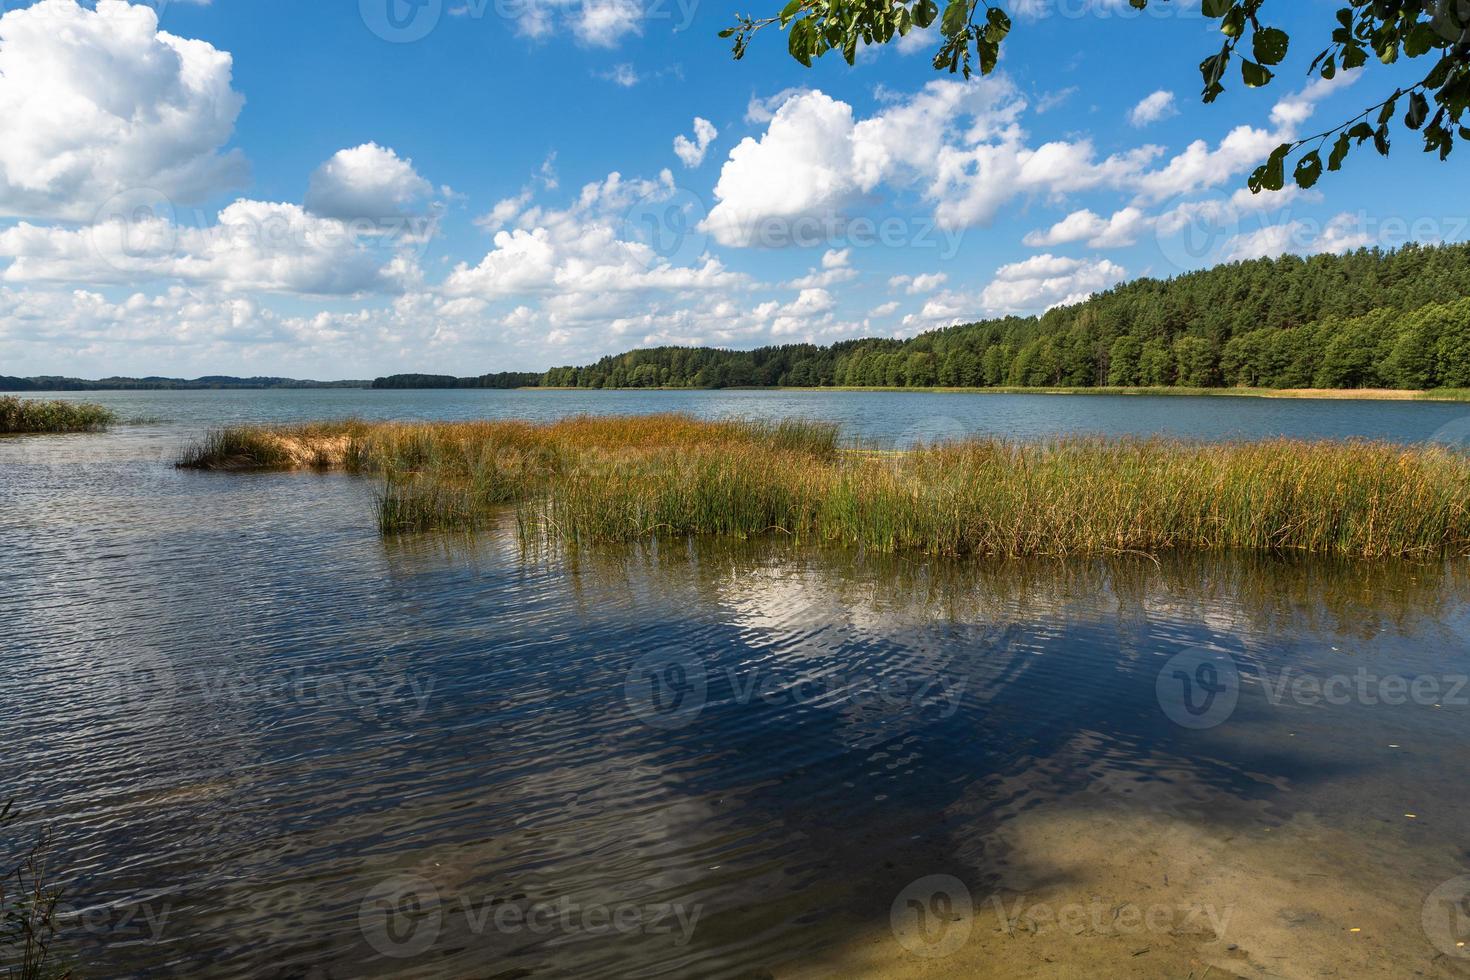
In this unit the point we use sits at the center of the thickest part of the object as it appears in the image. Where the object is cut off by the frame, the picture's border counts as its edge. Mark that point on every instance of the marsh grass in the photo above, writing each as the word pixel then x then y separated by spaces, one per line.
pixel 28 911
pixel 23 415
pixel 596 479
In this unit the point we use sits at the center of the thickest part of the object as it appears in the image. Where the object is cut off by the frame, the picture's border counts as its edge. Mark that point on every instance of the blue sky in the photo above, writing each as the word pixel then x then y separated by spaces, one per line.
pixel 272 187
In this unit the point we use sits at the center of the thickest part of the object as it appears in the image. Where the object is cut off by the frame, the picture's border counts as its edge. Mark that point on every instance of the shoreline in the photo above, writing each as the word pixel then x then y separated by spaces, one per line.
pixel 1317 394
pixel 1301 394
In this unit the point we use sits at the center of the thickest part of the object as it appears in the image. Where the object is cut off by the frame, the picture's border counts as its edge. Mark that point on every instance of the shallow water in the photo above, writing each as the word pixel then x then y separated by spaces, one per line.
pixel 270 743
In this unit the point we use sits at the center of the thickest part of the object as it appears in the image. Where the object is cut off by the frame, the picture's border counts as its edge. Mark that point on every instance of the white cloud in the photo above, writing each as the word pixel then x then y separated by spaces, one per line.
pixel 1343 233
pixel 368 182
pixel 624 75
pixel 1154 108
pixel 1245 147
pixel 958 145
pixel 1044 281
pixel 692 151
pixel 603 23
pixel 95 103
pixel 923 283
pixel 1119 231
pixel 801 166
pixel 762 110
pixel 577 260
pixel 836 268
pixel 253 246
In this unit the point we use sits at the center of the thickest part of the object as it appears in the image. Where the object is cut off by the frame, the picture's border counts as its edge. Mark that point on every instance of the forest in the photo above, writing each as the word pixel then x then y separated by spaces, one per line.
pixel 1367 319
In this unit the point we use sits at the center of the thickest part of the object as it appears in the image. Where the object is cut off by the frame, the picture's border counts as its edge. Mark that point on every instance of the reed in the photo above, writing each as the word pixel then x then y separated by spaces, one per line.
pixel 589 479
pixel 18 415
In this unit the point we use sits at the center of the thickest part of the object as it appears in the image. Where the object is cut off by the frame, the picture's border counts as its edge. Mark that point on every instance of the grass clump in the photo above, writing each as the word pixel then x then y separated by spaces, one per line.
pixel 20 415
pixel 589 479
pixel 991 498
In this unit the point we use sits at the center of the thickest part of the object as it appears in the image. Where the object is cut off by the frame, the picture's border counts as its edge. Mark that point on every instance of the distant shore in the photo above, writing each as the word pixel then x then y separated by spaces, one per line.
pixel 1331 394
pixel 1325 394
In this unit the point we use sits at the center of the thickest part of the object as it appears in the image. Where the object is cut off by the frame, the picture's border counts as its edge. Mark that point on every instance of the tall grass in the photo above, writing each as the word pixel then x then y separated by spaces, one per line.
pixel 17 415
pixel 28 912
pixel 590 479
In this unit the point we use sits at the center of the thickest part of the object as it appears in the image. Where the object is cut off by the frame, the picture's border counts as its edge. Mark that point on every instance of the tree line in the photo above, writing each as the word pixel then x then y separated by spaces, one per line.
pixel 1370 318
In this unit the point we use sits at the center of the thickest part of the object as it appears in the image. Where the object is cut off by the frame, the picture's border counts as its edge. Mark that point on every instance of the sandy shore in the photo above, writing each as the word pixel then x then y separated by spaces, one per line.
pixel 1118 882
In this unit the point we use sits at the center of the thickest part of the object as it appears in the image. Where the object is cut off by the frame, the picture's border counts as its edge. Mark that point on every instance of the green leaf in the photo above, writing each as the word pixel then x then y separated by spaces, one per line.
pixel 1255 75
pixel 1380 140
pixel 1418 111
pixel 1420 40
pixel 1234 23
pixel 924 12
pixel 1308 170
pixel 790 11
pixel 799 43
pixel 1339 152
pixel 989 52
pixel 956 16
pixel 1216 8
pixel 1389 108
pixel 1273 173
pixel 1270 45
pixel 997 25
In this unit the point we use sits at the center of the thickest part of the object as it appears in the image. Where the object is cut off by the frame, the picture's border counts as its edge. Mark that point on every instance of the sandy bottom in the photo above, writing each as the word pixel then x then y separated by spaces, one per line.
pixel 1117 891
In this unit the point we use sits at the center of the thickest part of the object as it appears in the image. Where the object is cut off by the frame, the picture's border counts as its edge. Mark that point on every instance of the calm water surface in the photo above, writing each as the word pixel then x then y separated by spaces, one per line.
pixel 900 417
pixel 271 743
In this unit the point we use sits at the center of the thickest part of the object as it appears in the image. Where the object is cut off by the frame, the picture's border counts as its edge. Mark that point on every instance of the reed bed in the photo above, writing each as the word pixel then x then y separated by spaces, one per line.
pixel 592 479
pixel 24 415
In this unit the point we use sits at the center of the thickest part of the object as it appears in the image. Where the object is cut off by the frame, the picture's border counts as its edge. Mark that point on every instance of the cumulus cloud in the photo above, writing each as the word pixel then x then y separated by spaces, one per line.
pixel 253 246
pixel 803 165
pixel 1199 167
pixel 1154 108
pixel 922 283
pixel 580 258
pixel 836 268
pixel 1044 281
pixel 1119 231
pixel 762 110
pixel 959 145
pixel 1343 233
pixel 367 182
pixel 692 151
pixel 594 23
pixel 98 102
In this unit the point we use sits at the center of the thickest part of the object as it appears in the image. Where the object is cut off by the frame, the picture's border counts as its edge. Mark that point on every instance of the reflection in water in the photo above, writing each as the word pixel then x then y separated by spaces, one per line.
pixel 272 744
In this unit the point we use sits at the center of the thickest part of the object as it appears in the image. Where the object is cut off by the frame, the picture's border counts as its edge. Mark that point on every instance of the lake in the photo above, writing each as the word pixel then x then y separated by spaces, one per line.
pixel 269 742
pixel 881 416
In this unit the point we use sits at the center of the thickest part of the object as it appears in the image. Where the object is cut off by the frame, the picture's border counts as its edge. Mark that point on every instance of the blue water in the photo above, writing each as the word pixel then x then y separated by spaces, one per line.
pixel 271 743
pixel 898 417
